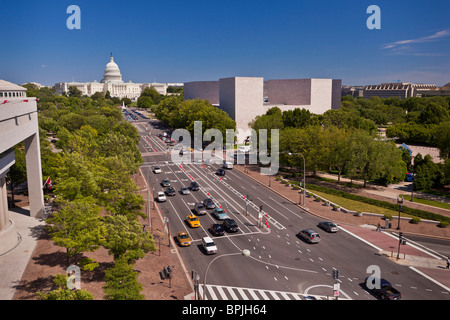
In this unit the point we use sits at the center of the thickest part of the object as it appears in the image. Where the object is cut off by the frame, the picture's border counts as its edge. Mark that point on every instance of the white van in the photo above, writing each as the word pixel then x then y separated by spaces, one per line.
pixel 228 165
pixel 209 245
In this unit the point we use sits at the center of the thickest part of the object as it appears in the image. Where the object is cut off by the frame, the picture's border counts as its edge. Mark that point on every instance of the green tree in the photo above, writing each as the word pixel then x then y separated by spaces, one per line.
pixel 125 239
pixel 121 282
pixel 76 227
pixel 63 292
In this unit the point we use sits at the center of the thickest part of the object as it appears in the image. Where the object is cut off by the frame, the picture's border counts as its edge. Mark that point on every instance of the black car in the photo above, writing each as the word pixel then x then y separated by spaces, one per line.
pixel 385 291
pixel 194 186
pixel 209 203
pixel 230 225
pixel 171 191
pixel 220 172
pixel 217 229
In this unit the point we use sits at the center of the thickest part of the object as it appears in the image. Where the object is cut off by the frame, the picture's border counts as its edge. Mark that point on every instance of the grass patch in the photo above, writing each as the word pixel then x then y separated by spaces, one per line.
pixel 433 203
pixel 357 205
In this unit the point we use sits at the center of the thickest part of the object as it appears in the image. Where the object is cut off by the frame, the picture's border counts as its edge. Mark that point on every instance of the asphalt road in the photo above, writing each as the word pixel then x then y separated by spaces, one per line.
pixel 281 265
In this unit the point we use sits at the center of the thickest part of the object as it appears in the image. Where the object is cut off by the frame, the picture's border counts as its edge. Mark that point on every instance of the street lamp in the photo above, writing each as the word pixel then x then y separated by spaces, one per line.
pixel 245 253
pixel 304 176
pixel 400 204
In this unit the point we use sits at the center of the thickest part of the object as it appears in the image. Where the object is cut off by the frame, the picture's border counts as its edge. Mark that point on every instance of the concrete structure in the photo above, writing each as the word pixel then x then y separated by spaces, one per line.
pixel 401 90
pixel 18 122
pixel 112 82
pixel 244 98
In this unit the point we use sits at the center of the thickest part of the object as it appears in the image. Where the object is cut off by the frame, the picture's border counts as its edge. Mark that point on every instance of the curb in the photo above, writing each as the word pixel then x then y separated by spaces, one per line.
pixel 318 215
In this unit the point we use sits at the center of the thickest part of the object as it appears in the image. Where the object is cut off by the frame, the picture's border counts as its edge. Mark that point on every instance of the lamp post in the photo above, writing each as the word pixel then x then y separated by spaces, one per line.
pixel 400 204
pixel 245 253
pixel 304 176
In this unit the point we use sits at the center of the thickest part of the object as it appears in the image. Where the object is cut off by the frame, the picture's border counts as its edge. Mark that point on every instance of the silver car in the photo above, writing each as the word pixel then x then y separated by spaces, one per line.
pixel 328 226
pixel 184 190
pixel 309 235
pixel 199 209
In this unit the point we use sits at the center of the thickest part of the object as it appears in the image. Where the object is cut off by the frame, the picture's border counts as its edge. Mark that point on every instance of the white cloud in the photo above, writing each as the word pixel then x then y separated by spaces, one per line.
pixel 437 35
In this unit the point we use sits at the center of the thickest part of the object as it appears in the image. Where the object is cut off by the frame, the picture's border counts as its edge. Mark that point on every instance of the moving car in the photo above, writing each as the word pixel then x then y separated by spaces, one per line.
pixel 309 235
pixel 171 191
pixel 209 203
pixel 220 214
pixel 161 196
pixel 385 291
pixel 228 165
pixel 156 170
pixel 230 225
pixel 209 245
pixel 194 186
pixel 328 226
pixel 217 229
pixel 165 183
pixel 184 190
pixel 183 239
pixel 193 221
pixel 199 209
pixel 220 172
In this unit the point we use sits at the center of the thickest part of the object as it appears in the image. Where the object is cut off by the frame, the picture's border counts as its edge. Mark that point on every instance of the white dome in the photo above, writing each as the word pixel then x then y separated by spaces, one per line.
pixel 112 72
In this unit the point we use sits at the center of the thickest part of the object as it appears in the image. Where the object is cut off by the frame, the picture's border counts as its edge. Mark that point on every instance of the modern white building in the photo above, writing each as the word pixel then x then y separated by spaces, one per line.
pixel 18 122
pixel 112 82
pixel 401 90
pixel 244 98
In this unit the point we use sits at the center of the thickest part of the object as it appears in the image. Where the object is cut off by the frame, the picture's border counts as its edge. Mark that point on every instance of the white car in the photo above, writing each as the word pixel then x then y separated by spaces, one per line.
pixel 161 196
pixel 209 245
pixel 156 170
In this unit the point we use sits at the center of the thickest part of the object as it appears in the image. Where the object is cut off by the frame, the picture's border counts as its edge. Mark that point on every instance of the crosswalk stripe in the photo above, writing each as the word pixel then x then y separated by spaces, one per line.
pixel 274 295
pixel 241 292
pixel 253 294
pixel 222 293
pixel 232 294
pixel 285 296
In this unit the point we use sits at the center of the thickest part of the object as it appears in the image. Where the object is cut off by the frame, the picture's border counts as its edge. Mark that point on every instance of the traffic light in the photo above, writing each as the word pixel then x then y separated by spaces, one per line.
pixel 335 274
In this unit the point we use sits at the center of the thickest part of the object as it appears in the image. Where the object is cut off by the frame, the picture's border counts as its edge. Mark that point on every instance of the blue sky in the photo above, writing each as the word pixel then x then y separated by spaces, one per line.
pixel 191 40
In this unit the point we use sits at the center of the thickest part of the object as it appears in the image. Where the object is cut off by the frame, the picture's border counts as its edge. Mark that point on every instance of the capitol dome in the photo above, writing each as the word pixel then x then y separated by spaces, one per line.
pixel 112 72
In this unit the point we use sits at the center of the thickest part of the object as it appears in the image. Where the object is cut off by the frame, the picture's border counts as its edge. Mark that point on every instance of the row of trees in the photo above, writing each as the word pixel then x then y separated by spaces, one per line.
pixel 96 198
pixel 344 141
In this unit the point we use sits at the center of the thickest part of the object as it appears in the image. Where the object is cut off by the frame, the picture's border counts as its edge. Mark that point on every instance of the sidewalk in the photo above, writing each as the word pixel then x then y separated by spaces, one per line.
pixel 364 227
pixel 27 270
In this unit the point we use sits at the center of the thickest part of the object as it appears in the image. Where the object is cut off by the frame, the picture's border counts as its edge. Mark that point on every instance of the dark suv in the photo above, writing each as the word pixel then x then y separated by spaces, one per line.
pixel 230 225
pixel 194 186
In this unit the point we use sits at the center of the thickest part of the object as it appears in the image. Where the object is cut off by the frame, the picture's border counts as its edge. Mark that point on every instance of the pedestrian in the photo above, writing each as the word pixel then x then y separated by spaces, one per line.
pixel 379 227
pixel 448 262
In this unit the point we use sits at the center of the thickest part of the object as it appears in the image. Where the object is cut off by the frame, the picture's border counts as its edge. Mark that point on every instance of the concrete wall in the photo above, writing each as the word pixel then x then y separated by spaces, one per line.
pixel 241 98
pixel 288 91
pixel 19 122
pixel 205 90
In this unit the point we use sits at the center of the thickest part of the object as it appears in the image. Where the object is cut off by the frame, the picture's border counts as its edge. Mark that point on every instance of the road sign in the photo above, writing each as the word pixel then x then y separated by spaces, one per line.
pixel 336 293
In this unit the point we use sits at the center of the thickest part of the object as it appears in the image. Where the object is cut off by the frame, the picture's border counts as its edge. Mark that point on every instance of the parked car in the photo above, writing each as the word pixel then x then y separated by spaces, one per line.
pixel 217 229
pixel 209 203
pixel 199 209
pixel 230 225
pixel 183 239
pixel 328 226
pixel 193 221
pixel 165 183
pixel 220 214
pixel 184 190
pixel 194 186
pixel 209 245
pixel 220 172
pixel 385 291
pixel 309 235
pixel 161 196
pixel 171 191
pixel 156 170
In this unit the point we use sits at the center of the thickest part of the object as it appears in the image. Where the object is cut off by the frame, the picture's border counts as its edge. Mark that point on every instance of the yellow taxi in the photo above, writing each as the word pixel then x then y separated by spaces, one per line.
pixel 183 239
pixel 193 221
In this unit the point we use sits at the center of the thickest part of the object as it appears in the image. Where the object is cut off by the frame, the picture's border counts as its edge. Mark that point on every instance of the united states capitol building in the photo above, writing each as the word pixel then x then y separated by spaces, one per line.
pixel 112 82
